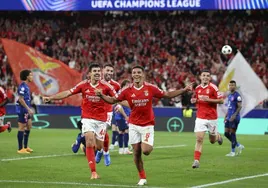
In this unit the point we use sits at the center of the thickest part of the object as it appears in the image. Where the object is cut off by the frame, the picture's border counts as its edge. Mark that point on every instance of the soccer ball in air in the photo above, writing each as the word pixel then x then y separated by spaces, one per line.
pixel 226 50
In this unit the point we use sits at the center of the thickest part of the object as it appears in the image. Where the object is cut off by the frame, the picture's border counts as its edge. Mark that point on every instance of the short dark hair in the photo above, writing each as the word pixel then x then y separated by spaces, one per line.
pixel 138 67
pixel 93 65
pixel 24 74
pixel 108 65
pixel 205 70
pixel 232 82
pixel 124 83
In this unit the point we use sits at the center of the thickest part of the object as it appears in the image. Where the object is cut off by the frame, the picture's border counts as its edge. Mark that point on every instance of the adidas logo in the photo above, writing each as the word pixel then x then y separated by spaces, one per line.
pixel 133 95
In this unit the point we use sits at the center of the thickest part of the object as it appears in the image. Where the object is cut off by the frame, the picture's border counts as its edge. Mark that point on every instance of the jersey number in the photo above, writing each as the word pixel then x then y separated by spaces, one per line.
pixel 147 137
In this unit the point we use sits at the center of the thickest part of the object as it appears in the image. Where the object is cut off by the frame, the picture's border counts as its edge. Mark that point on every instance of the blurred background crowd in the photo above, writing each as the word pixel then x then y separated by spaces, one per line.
pixel 172 46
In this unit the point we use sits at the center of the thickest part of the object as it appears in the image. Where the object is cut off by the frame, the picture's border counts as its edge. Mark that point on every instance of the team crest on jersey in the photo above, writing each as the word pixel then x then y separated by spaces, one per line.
pixel 146 92
pixel 207 91
pixel 199 91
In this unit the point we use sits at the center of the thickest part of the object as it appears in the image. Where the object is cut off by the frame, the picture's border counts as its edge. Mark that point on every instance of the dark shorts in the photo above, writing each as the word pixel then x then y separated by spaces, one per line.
pixel 23 115
pixel 233 124
pixel 113 120
pixel 122 125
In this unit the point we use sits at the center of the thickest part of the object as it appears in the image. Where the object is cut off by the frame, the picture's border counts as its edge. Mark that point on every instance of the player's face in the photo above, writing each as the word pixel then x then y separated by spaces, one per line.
pixel 232 87
pixel 108 73
pixel 137 75
pixel 30 77
pixel 95 74
pixel 205 78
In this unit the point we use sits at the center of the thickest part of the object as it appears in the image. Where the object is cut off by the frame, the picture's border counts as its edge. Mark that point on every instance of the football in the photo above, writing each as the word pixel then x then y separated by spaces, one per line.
pixel 226 50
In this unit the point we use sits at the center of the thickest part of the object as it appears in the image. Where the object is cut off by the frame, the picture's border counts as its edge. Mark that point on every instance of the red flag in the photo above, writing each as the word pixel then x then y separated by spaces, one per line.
pixel 50 75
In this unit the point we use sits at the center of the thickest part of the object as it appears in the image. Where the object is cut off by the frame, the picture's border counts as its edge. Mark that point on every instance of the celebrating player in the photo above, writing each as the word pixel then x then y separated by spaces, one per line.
pixel 232 119
pixel 207 98
pixel 24 111
pixel 94 113
pixel 108 72
pixel 141 120
pixel 3 102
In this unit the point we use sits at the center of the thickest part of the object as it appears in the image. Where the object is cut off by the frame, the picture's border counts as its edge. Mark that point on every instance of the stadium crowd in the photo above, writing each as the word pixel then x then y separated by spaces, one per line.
pixel 173 46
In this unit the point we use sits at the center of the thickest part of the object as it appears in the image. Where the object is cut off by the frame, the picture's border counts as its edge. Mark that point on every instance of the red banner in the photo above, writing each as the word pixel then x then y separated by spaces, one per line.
pixel 50 75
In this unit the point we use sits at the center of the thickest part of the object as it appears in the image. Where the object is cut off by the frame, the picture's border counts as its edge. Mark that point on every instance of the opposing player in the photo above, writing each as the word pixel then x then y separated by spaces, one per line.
pixel 207 97
pixel 3 102
pixel 108 72
pixel 121 118
pixel 24 111
pixel 232 119
pixel 94 113
pixel 139 95
pixel 80 141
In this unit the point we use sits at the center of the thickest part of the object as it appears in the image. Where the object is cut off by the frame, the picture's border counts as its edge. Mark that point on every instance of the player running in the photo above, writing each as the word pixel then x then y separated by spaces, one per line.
pixel 139 95
pixel 232 119
pixel 94 113
pixel 207 97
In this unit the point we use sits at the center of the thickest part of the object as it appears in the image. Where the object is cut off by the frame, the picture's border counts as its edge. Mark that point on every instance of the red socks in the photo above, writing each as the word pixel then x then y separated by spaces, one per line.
pixel 142 174
pixel 91 158
pixel 106 142
pixel 197 155
pixel 3 128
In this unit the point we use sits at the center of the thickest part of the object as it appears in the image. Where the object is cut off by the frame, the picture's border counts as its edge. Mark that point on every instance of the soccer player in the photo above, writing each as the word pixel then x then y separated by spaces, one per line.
pixel 24 111
pixel 232 119
pixel 108 72
pixel 3 102
pixel 139 95
pixel 80 140
pixel 121 118
pixel 94 113
pixel 207 97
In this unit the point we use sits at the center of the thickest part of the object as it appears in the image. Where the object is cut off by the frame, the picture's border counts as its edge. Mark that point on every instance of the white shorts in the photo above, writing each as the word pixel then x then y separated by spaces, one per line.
pixel 109 118
pixel 139 134
pixel 2 120
pixel 98 127
pixel 203 125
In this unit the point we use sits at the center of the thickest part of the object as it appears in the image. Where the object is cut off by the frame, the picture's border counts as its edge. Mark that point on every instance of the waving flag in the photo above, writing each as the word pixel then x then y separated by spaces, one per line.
pixel 50 75
pixel 249 85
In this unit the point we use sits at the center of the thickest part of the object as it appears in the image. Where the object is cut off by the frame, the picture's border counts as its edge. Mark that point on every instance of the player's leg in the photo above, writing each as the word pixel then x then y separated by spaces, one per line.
pixel 235 143
pixel 147 136
pixel 200 130
pixel 120 126
pixel 27 131
pixel 107 138
pixel 76 145
pixel 22 121
pixel 3 127
pixel 88 129
pixel 114 136
pixel 214 135
pixel 227 131
pixel 135 141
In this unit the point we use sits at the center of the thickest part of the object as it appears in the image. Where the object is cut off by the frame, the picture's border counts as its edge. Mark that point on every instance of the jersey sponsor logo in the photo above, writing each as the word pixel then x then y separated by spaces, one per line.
pixel 140 102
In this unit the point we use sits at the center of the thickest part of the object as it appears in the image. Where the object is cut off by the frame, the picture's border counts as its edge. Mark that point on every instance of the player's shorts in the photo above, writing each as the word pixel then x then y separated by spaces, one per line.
pixel 23 117
pixel 109 118
pixel 121 124
pixel 203 125
pixel 142 134
pixel 96 126
pixel 233 124
pixel 113 120
pixel 2 120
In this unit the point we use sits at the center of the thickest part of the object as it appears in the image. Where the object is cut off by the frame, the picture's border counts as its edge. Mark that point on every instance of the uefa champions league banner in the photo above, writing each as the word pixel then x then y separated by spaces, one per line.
pixel 114 5
pixel 50 76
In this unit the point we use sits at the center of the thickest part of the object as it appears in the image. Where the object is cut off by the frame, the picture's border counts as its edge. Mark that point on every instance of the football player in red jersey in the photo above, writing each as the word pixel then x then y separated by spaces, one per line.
pixel 108 73
pixel 207 96
pixel 3 102
pixel 140 95
pixel 94 113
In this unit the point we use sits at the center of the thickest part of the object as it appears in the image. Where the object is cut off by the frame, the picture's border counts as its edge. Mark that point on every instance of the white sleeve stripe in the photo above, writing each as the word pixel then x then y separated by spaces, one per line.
pixel 214 87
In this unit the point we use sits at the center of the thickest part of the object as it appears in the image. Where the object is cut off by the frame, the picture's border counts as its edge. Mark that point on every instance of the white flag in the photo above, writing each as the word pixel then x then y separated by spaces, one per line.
pixel 249 85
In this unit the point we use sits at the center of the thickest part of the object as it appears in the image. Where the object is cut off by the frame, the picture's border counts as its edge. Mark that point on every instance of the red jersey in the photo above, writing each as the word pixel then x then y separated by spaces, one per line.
pixel 140 101
pixel 3 97
pixel 206 110
pixel 93 107
pixel 116 87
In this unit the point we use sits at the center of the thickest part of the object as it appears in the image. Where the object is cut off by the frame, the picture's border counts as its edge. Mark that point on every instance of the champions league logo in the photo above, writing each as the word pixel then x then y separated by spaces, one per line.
pixel 121 4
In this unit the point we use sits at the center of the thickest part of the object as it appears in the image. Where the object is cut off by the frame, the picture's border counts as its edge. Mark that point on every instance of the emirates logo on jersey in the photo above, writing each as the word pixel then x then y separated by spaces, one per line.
pixel 146 92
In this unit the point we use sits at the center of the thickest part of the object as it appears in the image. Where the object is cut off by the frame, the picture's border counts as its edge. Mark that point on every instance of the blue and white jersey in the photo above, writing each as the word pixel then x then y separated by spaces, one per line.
pixel 119 116
pixel 233 99
pixel 24 91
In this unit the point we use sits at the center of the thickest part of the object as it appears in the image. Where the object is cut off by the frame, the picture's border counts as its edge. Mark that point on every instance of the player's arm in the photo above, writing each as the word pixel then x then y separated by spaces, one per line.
pixel 3 96
pixel 58 96
pixel 215 101
pixel 108 99
pixel 124 103
pixel 239 107
pixel 175 93
pixel 121 110
pixel 23 103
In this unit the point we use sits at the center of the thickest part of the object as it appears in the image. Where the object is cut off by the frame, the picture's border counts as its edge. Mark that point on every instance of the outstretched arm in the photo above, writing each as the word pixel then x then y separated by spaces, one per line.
pixel 110 100
pixel 175 93
pixel 58 96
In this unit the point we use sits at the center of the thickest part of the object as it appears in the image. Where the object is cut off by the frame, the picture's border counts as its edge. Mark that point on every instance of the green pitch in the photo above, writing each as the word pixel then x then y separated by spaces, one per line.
pixel 169 165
